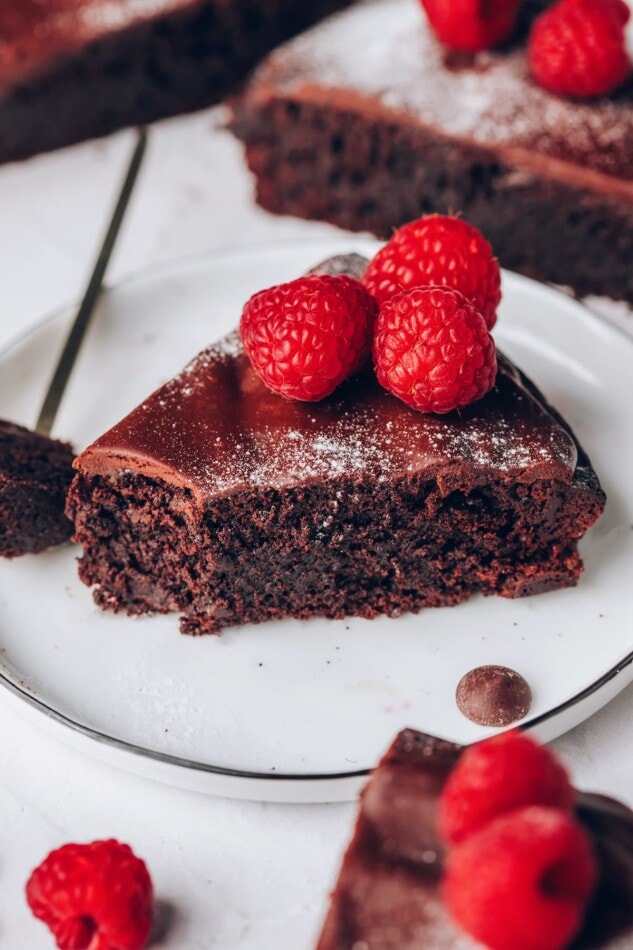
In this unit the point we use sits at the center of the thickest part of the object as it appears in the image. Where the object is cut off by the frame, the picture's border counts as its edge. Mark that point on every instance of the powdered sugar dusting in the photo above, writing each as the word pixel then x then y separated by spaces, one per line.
pixel 305 458
pixel 384 49
pixel 504 446
pixel 114 14
pixel 218 429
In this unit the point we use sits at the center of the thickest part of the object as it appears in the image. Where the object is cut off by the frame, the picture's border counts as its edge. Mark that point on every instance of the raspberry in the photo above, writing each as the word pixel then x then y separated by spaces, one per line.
pixel 433 350
pixel 522 883
pixel 472 25
pixel 93 896
pixel 497 776
pixel 439 250
pixel 577 48
pixel 305 337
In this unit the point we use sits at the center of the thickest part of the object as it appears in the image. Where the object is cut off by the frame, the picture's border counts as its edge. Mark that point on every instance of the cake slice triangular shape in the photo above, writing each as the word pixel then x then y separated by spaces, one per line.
pixel 219 499
pixel 388 893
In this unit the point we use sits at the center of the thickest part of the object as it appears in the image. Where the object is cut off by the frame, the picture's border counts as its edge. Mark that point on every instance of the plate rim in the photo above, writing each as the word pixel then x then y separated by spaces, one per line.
pixel 157 268
pixel 165 758
pixel 164 269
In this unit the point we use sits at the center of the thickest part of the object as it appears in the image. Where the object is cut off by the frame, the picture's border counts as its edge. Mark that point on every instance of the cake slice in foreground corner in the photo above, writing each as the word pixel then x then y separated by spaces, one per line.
pixel 221 500
pixel 388 893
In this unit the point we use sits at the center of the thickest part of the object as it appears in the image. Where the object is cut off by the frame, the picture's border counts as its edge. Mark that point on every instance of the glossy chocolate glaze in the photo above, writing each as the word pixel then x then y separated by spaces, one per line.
pixel 388 892
pixel 32 32
pixel 217 429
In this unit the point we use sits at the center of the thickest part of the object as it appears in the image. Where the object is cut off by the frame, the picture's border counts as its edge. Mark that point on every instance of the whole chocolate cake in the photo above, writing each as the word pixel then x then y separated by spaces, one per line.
pixel 74 69
pixel 388 897
pixel 218 498
pixel 367 121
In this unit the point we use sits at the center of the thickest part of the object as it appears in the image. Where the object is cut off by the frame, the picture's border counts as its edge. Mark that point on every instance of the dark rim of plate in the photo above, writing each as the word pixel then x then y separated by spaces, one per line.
pixel 22 692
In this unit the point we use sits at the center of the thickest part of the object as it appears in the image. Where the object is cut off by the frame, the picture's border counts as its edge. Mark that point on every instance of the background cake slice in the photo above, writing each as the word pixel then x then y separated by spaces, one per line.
pixel 367 121
pixel 74 69
pixel 218 498
pixel 388 897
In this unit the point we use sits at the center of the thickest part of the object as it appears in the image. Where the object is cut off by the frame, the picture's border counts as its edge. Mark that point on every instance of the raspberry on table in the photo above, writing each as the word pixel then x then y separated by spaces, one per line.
pixel 497 776
pixel 577 48
pixel 441 250
pixel 472 25
pixel 90 896
pixel 433 350
pixel 305 337
pixel 523 882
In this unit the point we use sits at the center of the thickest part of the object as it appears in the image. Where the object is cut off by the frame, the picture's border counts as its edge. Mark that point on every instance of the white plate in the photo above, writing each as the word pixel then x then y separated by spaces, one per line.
pixel 299 711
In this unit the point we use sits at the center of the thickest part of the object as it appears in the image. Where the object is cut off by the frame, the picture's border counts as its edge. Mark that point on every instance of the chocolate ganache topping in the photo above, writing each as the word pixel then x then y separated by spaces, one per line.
pixel 216 428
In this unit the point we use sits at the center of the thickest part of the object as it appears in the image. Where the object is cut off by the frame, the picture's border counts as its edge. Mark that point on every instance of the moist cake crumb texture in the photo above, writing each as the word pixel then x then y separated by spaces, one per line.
pixel 35 474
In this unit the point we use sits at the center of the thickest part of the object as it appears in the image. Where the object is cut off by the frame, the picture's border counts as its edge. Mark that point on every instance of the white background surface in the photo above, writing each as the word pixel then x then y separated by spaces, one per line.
pixel 228 874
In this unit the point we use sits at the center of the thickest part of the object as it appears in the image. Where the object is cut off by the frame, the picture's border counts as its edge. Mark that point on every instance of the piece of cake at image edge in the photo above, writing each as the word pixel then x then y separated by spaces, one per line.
pixel 368 120
pixel 76 69
pixel 221 500
pixel 35 474
pixel 484 847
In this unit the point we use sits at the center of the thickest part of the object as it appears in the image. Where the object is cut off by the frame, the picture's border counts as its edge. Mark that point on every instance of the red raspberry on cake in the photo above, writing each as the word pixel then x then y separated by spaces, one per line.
pixel 433 350
pixel 438 249
pixel 307 336
pixel 497 776
pixel 577 48
pixel 523 882
pixel 472 25
pixel 93 896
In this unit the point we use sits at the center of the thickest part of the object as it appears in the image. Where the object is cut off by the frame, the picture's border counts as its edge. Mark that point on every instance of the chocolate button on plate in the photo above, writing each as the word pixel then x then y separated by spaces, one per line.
pixel 493 696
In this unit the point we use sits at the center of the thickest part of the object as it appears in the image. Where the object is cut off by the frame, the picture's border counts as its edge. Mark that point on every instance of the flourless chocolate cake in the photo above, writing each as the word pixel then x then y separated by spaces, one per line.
pixel 74 69
pixel 388 896
pixel 367 121
pixel 35 473
pixel 219 499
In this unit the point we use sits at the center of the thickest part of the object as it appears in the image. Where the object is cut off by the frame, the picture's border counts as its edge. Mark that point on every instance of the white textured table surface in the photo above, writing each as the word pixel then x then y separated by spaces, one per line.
pixel 227 874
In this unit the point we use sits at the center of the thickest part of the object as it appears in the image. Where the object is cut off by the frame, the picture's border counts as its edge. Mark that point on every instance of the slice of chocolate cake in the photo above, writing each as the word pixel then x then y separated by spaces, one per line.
pixel 35 473
pixel 367 122
pixel 388 894
pixel 217 498
pixel 74 69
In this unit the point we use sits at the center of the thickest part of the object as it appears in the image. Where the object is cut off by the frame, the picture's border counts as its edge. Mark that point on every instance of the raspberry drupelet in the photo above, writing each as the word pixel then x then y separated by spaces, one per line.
pixel 306 336
pixel 433 350
pixel 93 895
pixel 523 882
pixel 438 250
pixel 472 25
pixel 494 777
pixel 577 48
